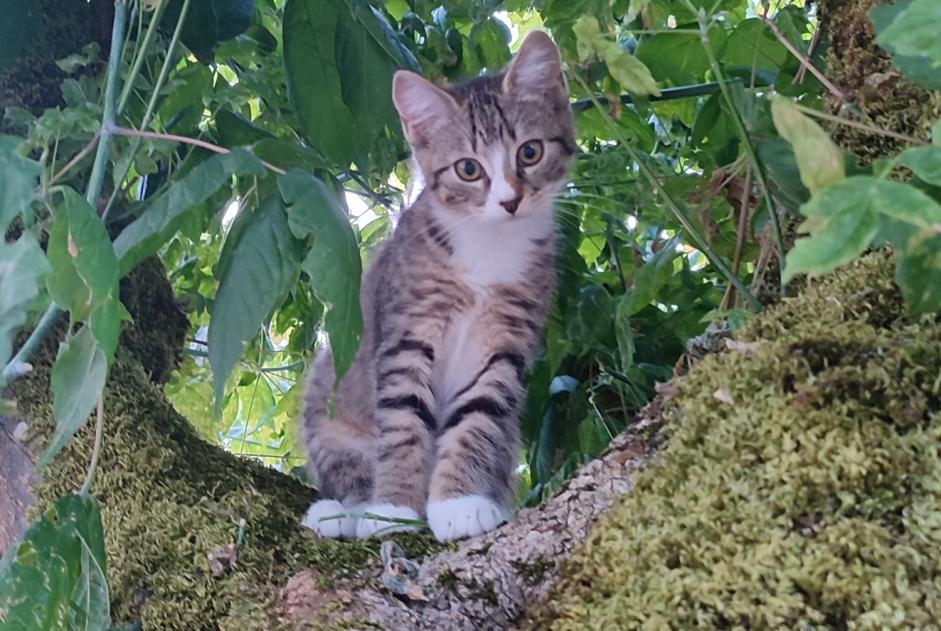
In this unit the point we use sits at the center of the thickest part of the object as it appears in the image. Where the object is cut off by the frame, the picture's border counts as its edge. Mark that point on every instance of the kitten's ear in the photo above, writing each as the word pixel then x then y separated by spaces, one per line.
pixel 536 69
pixel 421 104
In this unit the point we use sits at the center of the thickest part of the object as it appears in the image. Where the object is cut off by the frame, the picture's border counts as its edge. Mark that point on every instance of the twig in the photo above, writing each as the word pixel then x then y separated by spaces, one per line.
pixel 141 53
pixel 124 131
pixel 805 62
pixel 860 125
pixel 96 448
pixel 744 213
pixel 76 159
pixel 799 77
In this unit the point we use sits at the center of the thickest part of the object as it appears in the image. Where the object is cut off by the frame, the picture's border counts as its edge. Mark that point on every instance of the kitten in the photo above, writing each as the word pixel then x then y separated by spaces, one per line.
pixel 426 420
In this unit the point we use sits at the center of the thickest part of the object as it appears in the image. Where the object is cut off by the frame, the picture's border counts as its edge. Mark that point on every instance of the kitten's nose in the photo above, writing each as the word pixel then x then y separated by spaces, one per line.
pixel 511 205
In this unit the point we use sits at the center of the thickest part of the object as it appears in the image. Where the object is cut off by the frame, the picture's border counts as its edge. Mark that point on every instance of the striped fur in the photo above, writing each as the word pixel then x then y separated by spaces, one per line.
pixel 426 420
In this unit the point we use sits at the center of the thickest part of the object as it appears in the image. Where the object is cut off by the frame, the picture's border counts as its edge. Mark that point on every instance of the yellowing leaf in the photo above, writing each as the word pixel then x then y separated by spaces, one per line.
pixel 626 69
pixel 820 161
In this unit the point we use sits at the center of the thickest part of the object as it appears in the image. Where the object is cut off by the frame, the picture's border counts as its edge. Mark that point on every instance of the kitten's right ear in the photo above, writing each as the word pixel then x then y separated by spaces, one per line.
pixel 421 104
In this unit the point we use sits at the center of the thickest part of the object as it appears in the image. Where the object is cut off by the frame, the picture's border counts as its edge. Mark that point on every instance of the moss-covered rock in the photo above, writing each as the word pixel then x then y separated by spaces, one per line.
pixel 865 74
pixel 801 483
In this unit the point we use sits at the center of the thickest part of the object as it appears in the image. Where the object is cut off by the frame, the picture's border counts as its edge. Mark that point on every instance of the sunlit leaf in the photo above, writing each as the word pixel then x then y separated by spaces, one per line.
pixel 819 159
pixel 626 69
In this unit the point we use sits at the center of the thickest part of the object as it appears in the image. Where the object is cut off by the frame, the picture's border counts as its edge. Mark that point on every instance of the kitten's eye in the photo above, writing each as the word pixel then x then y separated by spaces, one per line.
pixel 529 153
pixel 468 169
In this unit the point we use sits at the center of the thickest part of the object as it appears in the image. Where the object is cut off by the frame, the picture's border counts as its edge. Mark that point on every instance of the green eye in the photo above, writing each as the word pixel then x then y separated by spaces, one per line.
pixel 468 169
pixel 529 153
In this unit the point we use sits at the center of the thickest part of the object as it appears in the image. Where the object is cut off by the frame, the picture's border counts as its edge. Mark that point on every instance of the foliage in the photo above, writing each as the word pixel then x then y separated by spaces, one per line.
pixel 799 486
pixel 268 163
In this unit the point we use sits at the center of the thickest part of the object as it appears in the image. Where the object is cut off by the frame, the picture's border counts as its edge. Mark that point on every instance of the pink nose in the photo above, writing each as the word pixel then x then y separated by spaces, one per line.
pixel 511 205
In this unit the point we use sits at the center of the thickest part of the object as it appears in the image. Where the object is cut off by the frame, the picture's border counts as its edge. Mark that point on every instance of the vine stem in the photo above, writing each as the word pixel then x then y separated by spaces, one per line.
pixel 140 133
pixel 743 134
pixel 18 366
pixel 96 449
pixel 141 53
pixel 152 103
pixel 679 214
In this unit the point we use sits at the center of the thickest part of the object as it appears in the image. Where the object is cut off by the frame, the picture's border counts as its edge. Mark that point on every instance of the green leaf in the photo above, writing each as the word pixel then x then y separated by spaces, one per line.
pixel 333 264
pixel 819 159
pixel 78 378
pixel 753 47
pixel 846 223
pixel 626 69
pixel 918 69
pixel 18 177
pixel 914 32
pixel 924 161
pixel 379 28
pixel 84 278
pixel 919 271
pixel 21 24
pixel 167 212
pixel 648 280
pixel 339 77
pixel 22 266
pixel 54 577
pixel 678 58
pixel 262 263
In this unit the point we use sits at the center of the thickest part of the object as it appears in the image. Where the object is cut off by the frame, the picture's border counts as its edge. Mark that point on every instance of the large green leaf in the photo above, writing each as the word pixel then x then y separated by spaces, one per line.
pixel 18 178
pixel 919 272
pixel 819 159
pixel 78 378
pixel 339 76
pixel 22 266
pixel 262 261
pixel 54 577
pixel 84 278
pixel 333 263
pixel 167 212
pixel 919 69
pixel 914 31
pixel 678 58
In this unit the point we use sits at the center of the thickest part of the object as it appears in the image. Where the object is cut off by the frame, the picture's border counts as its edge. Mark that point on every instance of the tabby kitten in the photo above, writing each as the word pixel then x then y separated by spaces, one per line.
pixel 426 420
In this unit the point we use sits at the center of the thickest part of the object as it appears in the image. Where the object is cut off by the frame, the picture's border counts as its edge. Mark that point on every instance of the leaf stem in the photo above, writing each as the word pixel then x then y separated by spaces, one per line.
pixel 19 366
pixel 124 131
pixel 743 135
pixel 96 448
pixel 679 214
pixel 75 160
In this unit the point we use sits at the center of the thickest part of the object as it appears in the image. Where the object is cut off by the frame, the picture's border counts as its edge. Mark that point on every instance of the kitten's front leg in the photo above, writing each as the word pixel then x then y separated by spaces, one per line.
pixel 406 430
pixel 471 485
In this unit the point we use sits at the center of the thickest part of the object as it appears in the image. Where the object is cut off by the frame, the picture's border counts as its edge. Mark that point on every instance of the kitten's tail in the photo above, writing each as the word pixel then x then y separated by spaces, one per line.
pixel 338 449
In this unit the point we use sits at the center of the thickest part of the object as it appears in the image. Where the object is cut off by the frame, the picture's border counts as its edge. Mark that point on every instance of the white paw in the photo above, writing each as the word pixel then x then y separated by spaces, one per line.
pixel 466 516
pixel 317 520
pixel 369 527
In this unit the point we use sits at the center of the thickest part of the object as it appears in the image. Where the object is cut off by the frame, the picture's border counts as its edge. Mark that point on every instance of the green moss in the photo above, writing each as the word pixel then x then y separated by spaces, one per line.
pixel 170 500
pixel 865 74
pixel 811 502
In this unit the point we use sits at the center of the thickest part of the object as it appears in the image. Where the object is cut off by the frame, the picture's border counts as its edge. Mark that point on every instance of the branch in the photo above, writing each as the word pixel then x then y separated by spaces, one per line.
pixel 805 61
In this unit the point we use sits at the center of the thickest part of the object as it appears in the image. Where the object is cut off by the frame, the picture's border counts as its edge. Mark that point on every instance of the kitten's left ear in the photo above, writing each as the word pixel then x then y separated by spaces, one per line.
pixel 536 69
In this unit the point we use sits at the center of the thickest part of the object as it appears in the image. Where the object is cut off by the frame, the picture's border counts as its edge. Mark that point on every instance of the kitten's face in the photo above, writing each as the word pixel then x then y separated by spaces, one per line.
pixel 497 148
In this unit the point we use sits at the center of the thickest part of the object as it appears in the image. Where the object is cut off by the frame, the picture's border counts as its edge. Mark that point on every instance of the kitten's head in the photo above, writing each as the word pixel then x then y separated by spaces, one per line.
pixel 496 147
